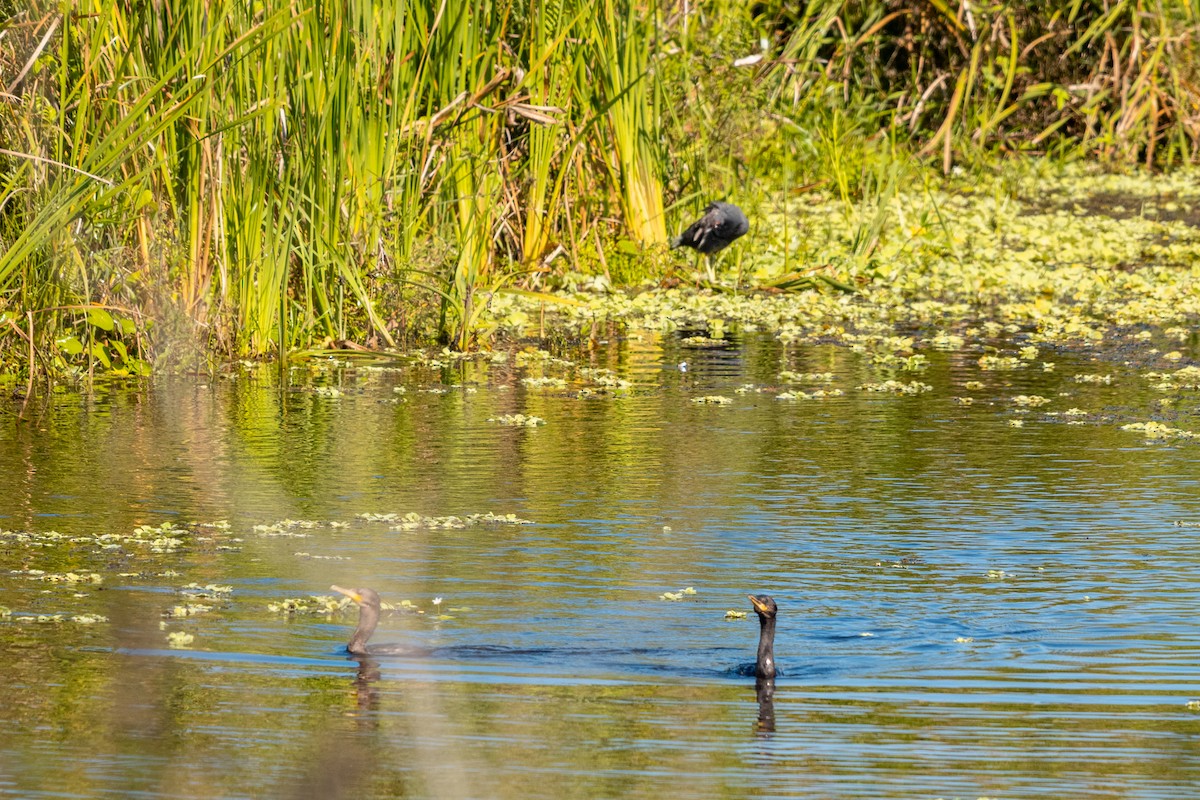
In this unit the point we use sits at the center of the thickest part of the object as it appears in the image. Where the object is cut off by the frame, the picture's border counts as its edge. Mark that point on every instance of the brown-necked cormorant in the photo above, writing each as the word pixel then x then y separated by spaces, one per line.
pixel 369 605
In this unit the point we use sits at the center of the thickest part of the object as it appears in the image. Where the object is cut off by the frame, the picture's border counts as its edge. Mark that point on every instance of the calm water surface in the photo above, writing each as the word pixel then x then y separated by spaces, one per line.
pixel 967 608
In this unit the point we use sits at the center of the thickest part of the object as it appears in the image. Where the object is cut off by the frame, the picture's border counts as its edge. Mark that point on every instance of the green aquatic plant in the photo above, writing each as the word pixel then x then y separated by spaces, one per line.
pixel 713 400
pixel 415 521
pixel 1159 431
pixel 1030 401
pixel 816 394
pixel 897 387
pixel 314 604
pixel 210 591
pixel 518 420
pixel 180 640
pixel 186 610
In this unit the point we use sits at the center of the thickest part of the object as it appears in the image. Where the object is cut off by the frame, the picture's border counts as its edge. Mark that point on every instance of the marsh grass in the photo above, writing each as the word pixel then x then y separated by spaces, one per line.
pixel 264 177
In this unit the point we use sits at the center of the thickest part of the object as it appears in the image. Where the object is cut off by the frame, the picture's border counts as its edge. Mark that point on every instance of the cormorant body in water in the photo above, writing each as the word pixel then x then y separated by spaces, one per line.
pixel 764 665
pixel 369 605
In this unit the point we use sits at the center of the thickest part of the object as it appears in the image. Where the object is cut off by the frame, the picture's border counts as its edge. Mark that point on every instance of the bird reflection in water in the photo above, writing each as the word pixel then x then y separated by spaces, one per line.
pixel 365 689
pixel 764 689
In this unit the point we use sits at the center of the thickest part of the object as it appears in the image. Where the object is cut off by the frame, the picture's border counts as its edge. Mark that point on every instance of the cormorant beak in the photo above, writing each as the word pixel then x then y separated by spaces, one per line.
pixel 759 606
pixel 353 595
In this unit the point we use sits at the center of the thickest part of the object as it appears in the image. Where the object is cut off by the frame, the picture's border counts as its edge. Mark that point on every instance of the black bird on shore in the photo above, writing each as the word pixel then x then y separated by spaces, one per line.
pixel 721 224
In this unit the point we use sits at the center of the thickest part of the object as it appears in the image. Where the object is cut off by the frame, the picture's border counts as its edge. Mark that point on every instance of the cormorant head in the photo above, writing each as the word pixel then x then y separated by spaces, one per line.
pixel 763 605
pixel 364 598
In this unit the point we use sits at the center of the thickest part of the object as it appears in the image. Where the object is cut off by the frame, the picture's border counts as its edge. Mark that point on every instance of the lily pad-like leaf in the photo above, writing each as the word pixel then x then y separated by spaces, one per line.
pixel 101 355
pixel 70 345
pixel 101 319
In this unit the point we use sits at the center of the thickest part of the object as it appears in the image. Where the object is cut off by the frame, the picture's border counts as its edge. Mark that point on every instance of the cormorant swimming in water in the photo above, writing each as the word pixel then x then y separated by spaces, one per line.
pixel 368 617
pixel 764 606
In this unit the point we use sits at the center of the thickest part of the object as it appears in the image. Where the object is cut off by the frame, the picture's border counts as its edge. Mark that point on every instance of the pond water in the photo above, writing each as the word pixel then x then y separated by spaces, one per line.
pixel 968 607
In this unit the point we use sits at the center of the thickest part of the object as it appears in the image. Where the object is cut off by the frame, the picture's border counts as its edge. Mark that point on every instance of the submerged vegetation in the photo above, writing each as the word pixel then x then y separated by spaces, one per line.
pixel 183 179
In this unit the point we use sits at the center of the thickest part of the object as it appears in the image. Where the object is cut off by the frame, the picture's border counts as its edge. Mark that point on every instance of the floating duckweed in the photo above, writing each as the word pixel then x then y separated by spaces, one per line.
pixel 998 574
pixel 210 591
pixel 186 610
pixel 1074 412
pixel 321 558
pixel 1016 423
pixel 1030 400
pixel 1055 270
pixel 60 577
pixel 679 595
pixel 1101 379
pixel 703 342
pixel 1000 362
pixel 1159 431
pixel 815 394
pixel 1194 705
pixel 910 363
pixel 5 611
pixel 288 528
pixel 605 379
pixel 713 400
pixel 963 401
pixel 327 391
pixel 313 604
pixel 733 614
pixel 973 385
pixel 805 377
pixel 896 387
pixel 1186 378
pixel 88 619
pixel 964 639
pixel 518 420
pixel 414 521
pixel 544 382
pixel 1029 353
pixel 946 341
pixel 164 538
pixel 1174 355
pixel 179 640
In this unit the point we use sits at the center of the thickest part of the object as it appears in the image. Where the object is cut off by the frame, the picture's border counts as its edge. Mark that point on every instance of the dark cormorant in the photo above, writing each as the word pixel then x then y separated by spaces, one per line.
pixel 369 604
pixel 764 606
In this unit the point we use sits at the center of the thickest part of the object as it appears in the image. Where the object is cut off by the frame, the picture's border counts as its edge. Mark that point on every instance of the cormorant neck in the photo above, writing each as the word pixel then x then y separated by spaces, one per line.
pixel 368 618
pixel 765 667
